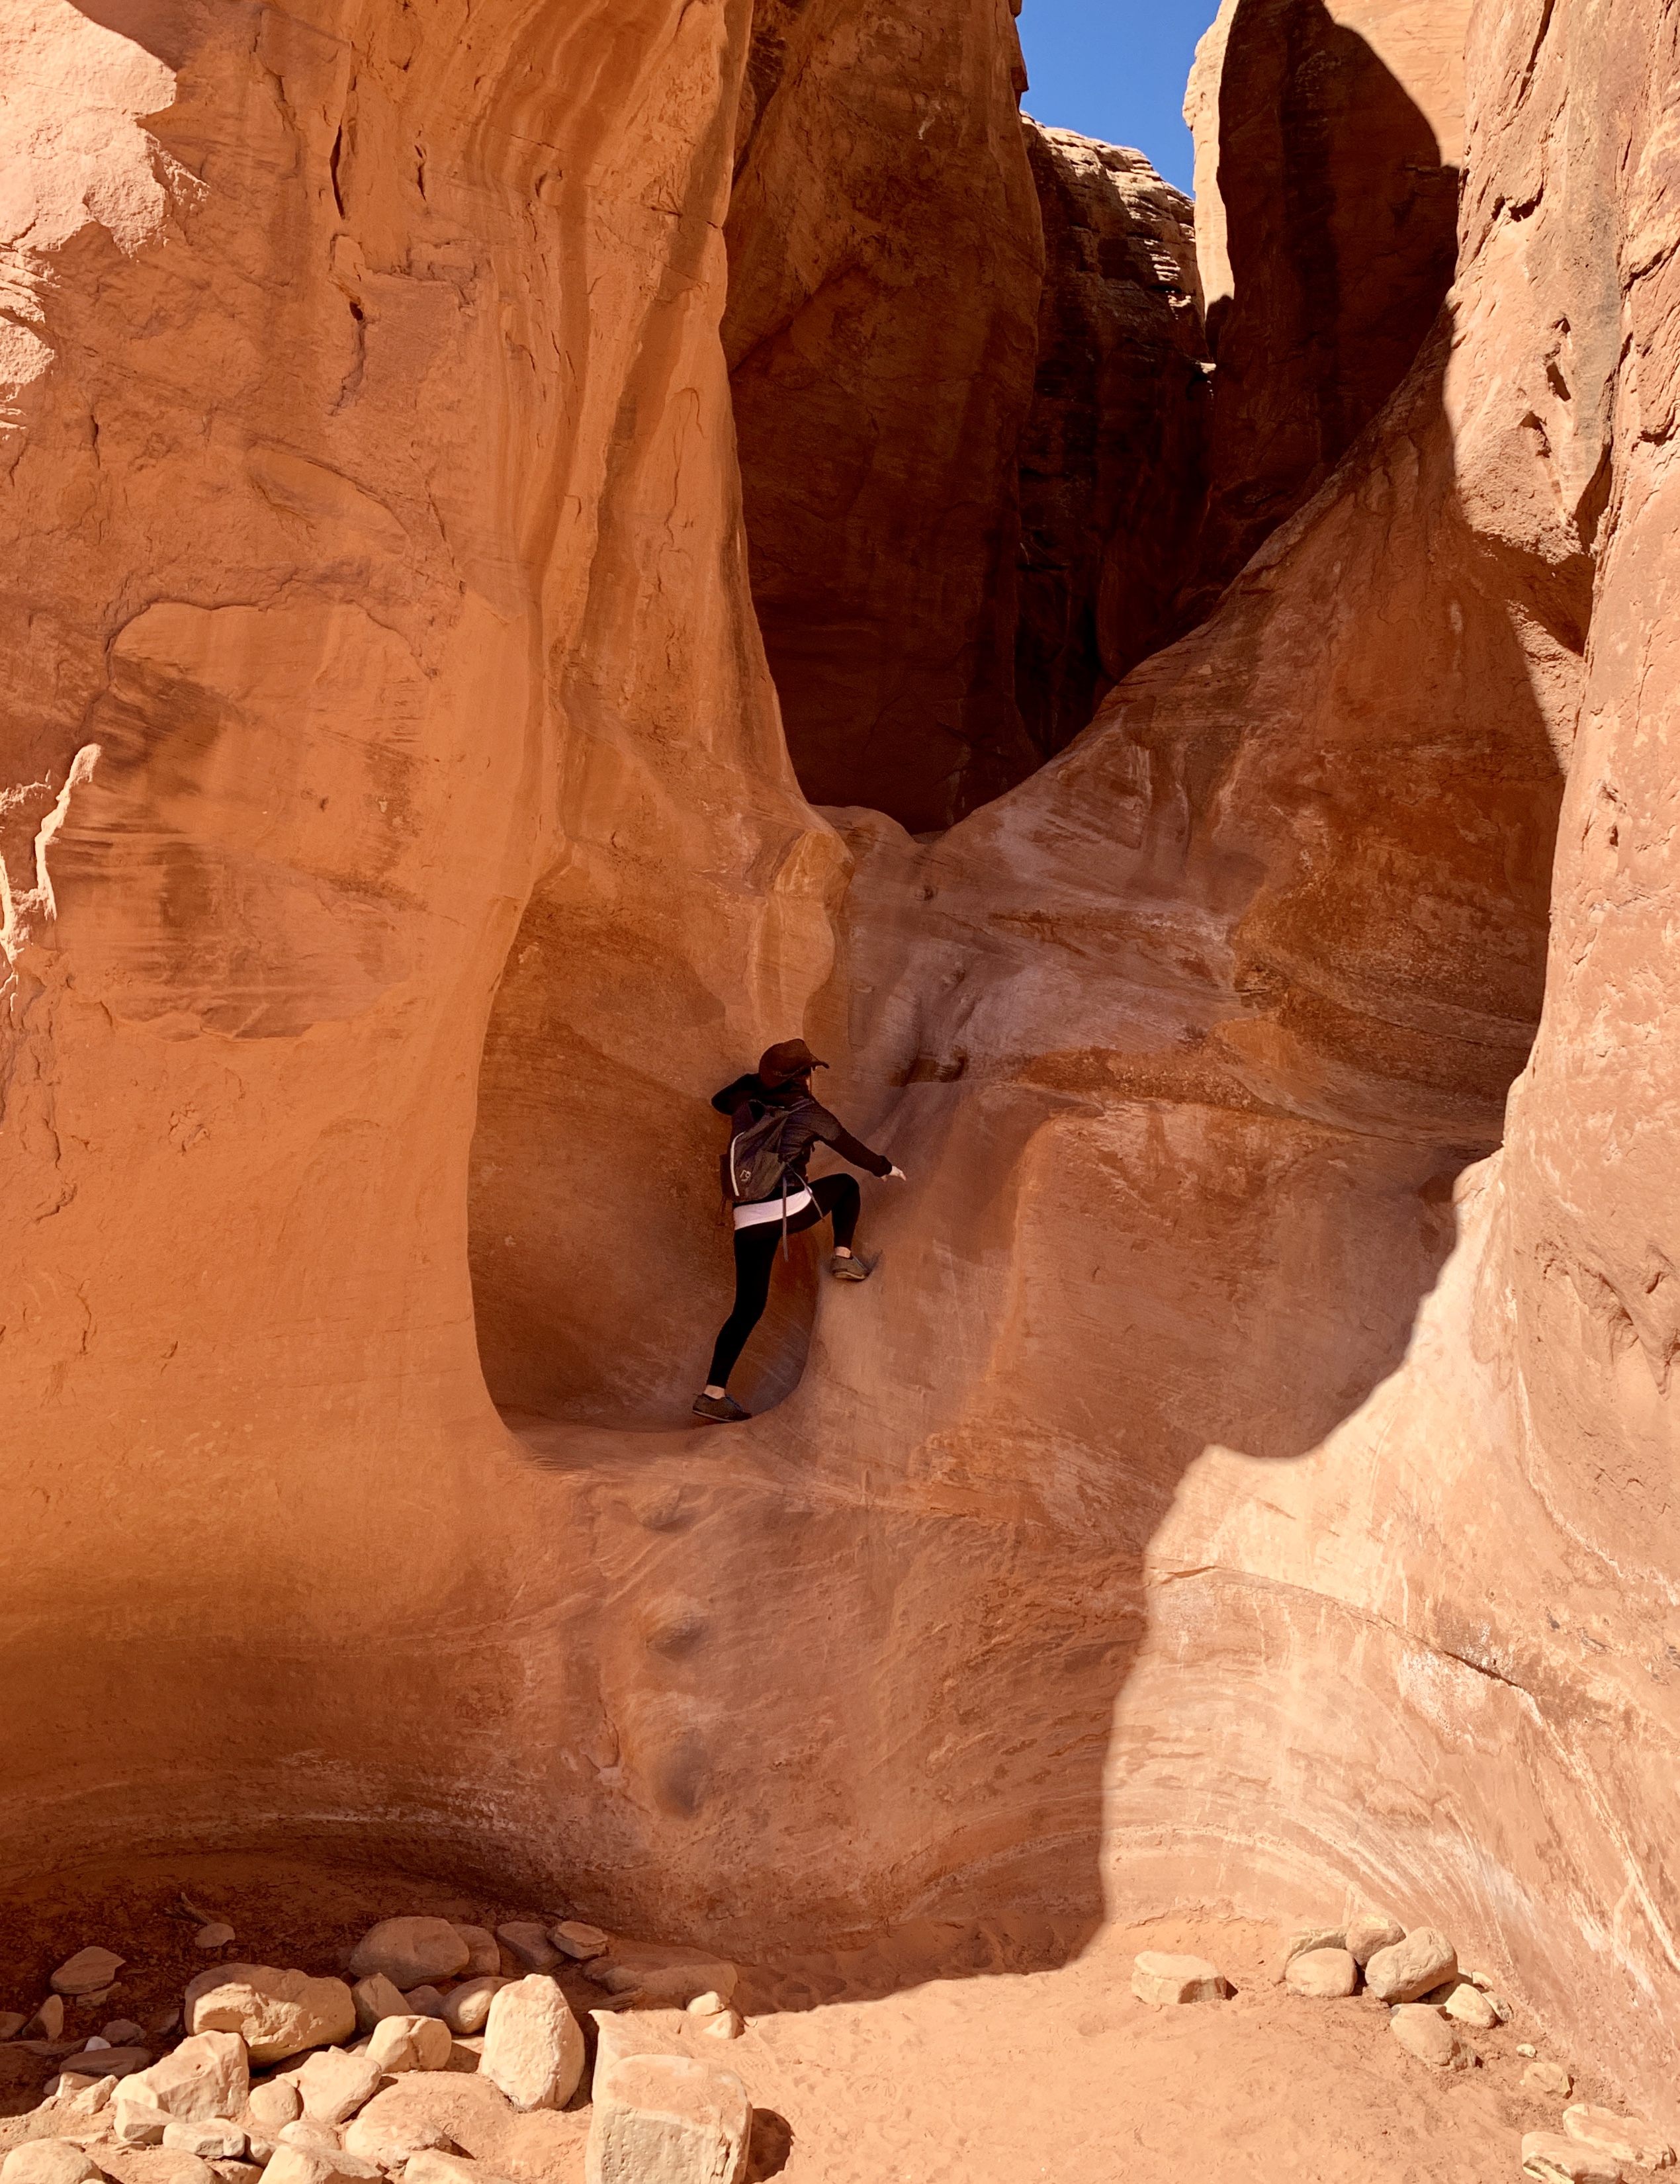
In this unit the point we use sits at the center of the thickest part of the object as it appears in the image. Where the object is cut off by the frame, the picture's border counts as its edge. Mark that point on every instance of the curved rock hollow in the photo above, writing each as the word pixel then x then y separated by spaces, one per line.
pixel 1248 1480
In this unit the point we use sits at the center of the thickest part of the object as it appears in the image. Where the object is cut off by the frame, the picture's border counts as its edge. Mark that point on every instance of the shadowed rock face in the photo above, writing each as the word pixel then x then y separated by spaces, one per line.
pixel 1112 459
pixel 1329 145
pixel 1246 1477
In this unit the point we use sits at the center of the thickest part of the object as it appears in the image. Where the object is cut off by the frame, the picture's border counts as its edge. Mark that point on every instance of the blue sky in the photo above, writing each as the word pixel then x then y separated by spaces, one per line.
pixel 1115 69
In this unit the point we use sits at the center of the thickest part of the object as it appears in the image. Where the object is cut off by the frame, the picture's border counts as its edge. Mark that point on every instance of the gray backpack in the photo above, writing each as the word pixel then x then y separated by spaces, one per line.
pixel 756 1164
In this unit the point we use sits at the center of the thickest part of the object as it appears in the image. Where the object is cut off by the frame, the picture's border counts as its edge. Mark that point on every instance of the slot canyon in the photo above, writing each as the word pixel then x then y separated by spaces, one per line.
pixel 551 547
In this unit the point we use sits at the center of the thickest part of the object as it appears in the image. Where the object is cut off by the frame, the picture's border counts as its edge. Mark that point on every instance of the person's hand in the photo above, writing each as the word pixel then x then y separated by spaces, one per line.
pixel 894 1175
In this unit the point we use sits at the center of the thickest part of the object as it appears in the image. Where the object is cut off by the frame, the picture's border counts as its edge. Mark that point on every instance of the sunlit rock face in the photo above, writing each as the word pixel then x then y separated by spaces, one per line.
pixel 1329 145
pixel 1247 1478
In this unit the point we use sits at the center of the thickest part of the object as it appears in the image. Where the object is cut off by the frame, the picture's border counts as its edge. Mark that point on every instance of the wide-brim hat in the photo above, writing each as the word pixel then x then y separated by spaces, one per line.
pixel 792 1058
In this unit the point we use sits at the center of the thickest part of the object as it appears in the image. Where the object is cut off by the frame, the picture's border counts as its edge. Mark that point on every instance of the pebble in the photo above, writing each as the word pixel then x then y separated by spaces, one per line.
pixel 1471 2007
pixel 1624 2136
pixel 216 1935
pixel 212 2141
pixel 89 1971
pixel 1410 1969
pixel 1548 2078
pixel 1326 1974
pixel 1372 1932
pixel 578 1941
pixel 410 2043
pixel 466 2008
pixel 278 2014
pixel 483 1954
pixel 667 2120
pixel 374 1997
pixel 1552 2159
pixel 47 2161
pixel 1422 2030
pixel 534 2046
pixel 409 1952
pixel 1162 1979
pixel 1523 2047
pixel 277 2103
pixel 527 1940
pixel 334 2084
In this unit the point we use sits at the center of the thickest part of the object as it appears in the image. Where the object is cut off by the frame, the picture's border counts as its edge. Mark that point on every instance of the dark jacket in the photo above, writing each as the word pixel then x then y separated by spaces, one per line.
pixel 747 1098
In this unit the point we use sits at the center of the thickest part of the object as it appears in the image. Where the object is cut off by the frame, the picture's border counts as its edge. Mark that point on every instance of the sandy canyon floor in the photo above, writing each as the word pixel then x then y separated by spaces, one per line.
pixel 997 2052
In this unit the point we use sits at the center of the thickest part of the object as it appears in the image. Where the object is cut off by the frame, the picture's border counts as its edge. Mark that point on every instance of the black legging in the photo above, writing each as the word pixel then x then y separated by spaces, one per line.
pixel 756 1253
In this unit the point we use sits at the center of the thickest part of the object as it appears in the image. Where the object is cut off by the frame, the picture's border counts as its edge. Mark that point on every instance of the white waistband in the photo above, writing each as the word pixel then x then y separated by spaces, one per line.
pixel 770 1209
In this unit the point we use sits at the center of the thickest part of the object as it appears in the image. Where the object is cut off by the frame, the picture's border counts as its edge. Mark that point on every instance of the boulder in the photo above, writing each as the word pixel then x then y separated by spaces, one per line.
pixel 1369 1934
pixel 1550 2158
pixel 534 2046
pixel 139 2122
pixel 375 1997
pixel 273 2105
pixel 276 2014
pixel 427 2167
pixel 1422 2030
pixel 211 2140
pixel 396 2124
pixel 409 1952
pixel 107 2062
pixel 527 1940
pixel 709 2004
pixel 89 1971
pixel 483 1954
pixel 123 2032
pixel 47 2161
pixel 1410 1969
pixel 410 2043
pixel 207 2075
pixel 422 2002
pixel 1325 1973
pixel 670 1977
pixel 1309 1939
pixel 466 2008
pixel 169 2165
pixel 318 2165
pixel 665 2120
pixel 334 2083
pixel 1471 2007
pixel 572 1938
pixel 1160 1978
pixel 322 2138
pixel 1624 2137
pixel 728 2024
pixel 48 2021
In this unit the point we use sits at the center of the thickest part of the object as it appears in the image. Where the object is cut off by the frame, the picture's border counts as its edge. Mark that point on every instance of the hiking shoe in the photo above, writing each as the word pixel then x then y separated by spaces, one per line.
pixel 848 1270
pixel 725 1409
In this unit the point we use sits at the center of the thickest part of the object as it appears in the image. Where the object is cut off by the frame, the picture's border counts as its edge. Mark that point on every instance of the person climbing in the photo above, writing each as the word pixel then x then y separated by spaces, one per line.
pixel 775 1121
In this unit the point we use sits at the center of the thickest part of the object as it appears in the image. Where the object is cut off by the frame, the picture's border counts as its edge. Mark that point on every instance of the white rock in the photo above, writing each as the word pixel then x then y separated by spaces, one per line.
pixel 534 2046
pixel 214 2141
pixel 396 2124
pixel 311 2164
pixel 334 2084
pixel 374 1997
pixel 666 2120
pixel 1425 1959
pixel 216 1935
pixel 410 2043
pixel 1310 1938
pixel 77 2098
pixel 527 1942
pixel 1552 2159
pixel 1471 2007
pixel 1524 2048
pixel 276 2013
pixel 709 2004
pixel 409 1952
pixel 1424 2031
pixel 576 1940
pixel 139 2123
pixel 1370 1932
pixel 47 2161
pixel 429 2168
pixel 1624 2136
pixel 1324 1974
pixel 207 2075
pixel 277 2103
pixel 466 2008
pixel 1160 1978
pixel 1548 2078
pixel 483 1954
pixel 89 1971
pixel 728 2024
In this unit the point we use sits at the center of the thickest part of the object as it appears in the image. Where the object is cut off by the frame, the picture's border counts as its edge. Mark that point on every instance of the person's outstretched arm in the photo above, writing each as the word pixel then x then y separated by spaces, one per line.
pixel 833 1132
